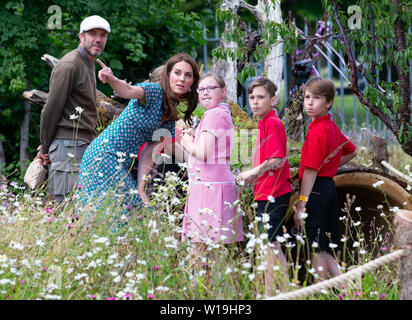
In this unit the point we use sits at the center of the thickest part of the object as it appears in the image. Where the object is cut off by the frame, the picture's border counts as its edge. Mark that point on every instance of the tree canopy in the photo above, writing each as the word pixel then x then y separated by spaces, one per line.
pixel 145 33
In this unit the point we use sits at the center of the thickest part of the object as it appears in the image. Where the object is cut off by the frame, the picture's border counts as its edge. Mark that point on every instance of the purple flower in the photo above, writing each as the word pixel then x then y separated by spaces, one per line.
pixel 340 297
pixel 382 296
pixel 128 296
pixel 150 296
pixel 111 298
pixel 49 210
pixel 156 267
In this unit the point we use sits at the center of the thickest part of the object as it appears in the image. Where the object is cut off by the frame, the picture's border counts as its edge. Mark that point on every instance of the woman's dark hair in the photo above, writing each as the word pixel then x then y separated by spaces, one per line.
pixel 170 101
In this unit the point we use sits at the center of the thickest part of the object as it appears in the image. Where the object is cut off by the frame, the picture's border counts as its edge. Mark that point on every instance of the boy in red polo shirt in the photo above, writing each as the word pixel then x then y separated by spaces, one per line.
pixel 270 172
pixel 324 150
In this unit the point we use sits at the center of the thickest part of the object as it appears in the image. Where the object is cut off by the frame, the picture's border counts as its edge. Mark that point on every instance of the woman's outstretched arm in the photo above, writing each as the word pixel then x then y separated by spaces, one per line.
pixel 121 87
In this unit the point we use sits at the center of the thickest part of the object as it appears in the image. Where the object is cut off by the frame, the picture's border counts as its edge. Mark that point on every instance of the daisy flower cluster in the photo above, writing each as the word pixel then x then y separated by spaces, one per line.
pixel 51 251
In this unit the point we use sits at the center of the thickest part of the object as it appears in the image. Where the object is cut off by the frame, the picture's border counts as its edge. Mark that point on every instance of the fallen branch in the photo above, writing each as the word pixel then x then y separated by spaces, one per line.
pixel 107 107
pixel 396 171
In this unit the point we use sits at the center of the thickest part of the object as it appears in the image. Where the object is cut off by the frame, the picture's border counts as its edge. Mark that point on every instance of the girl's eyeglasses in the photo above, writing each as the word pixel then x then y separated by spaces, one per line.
pixel 208 89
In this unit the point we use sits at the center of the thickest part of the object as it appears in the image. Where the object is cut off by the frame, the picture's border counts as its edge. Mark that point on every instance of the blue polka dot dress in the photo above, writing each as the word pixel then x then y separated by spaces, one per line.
pixel 106 163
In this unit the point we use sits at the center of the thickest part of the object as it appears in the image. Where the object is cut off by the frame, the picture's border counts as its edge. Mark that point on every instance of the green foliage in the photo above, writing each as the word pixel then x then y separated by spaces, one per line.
pixel 144 35
pixel 102 253
pixel 377 48
pixel 271 33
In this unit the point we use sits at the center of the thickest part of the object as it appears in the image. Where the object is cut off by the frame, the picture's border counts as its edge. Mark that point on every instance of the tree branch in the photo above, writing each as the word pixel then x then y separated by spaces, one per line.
pixel 354 78
pixel 243 4
pixel 400 32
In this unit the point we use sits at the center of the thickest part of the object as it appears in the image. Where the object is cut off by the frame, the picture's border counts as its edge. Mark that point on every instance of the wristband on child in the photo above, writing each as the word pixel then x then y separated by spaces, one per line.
pixel 303 198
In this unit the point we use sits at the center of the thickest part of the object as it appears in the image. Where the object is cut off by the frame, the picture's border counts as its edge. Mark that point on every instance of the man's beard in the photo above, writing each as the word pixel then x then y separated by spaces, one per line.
pixel 87 49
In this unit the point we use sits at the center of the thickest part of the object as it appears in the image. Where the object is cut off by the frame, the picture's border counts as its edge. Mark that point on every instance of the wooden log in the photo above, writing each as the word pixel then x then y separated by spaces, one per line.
pixel 36 97
pixel 403 227
pixel 380 151
pixel 50 60
pixel 108 108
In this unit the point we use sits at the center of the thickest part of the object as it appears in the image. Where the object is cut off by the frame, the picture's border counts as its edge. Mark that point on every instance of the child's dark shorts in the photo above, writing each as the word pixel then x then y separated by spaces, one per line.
pixel 277 213
pixel 321 225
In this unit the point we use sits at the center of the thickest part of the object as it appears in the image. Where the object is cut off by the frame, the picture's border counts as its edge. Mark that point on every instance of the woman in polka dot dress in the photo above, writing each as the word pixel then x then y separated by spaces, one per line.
pixel 150 114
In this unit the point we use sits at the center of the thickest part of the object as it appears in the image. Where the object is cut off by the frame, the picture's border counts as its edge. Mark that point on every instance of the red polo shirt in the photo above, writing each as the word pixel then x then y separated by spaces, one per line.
pixel 271 143
pixel 324 147
pixel 178 138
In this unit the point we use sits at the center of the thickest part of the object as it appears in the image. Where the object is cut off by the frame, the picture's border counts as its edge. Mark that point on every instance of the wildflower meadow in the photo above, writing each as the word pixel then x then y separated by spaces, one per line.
pixel 105 251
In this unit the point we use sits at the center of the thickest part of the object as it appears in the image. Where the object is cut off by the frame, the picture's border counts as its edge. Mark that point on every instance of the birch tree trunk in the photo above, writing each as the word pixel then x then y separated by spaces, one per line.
pixel 264 11
pixel 273 64
pixel 24 133
pixel 227 69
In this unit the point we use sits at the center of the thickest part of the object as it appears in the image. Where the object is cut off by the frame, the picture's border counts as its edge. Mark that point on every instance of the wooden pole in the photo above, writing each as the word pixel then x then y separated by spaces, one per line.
pixel 403 227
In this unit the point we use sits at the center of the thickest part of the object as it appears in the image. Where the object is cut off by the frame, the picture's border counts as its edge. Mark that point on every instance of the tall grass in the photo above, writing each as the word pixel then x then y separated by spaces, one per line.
pixel 50 251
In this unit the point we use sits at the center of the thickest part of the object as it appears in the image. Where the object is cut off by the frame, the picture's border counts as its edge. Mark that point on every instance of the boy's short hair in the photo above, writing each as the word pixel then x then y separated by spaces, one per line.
pixel 322 87
pixel 218 78
pixel 266 83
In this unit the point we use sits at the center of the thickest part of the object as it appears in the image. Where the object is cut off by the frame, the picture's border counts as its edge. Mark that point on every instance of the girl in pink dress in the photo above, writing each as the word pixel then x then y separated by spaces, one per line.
pixel 210 213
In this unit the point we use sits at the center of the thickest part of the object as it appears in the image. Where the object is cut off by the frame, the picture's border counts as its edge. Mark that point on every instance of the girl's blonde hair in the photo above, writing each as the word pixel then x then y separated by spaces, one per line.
pixel 218 78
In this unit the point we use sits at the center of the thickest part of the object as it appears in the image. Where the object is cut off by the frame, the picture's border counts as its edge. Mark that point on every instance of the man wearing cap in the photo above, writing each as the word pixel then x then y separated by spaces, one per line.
pixel 68 119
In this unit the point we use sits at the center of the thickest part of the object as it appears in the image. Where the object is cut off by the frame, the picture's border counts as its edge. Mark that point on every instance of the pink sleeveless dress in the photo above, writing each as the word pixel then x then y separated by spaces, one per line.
pixel 210 213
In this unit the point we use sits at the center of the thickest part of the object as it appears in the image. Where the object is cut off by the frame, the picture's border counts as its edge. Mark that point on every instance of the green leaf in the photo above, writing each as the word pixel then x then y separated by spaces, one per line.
pixel 7 113
pixel 116 64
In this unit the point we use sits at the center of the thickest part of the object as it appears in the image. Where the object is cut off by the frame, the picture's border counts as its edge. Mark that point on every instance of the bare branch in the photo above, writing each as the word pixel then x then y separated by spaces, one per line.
pixel 400 32
pixel 243 4
pixel 354 77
